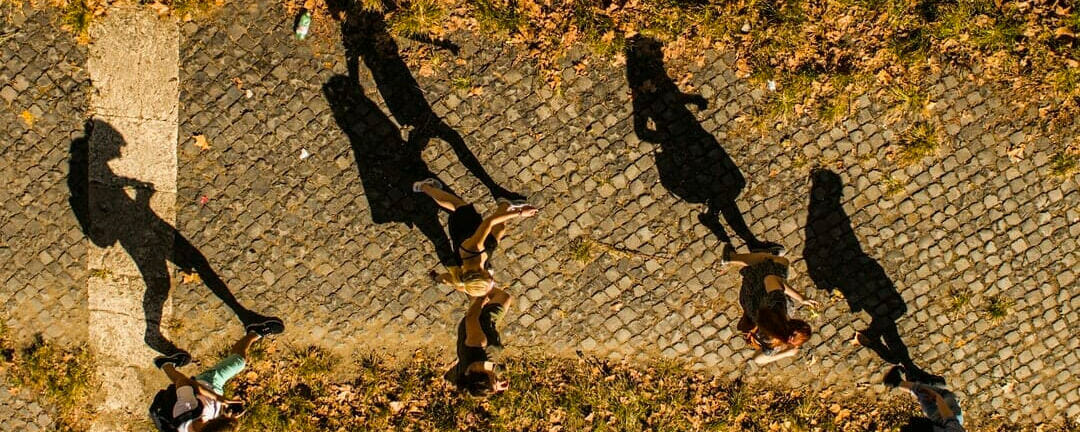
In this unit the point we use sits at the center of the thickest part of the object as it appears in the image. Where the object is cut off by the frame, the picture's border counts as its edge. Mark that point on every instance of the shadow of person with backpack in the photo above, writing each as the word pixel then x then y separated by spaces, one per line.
pixel 108 216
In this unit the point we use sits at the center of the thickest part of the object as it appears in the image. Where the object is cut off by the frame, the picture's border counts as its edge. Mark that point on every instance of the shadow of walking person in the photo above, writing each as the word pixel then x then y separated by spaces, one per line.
pixel 108 215
pixel 387 166
pixel 835 260
pixel 691 163
pixel 365 37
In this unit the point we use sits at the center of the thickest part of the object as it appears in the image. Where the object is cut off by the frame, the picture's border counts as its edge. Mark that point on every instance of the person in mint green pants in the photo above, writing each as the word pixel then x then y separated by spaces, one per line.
pixel 207 389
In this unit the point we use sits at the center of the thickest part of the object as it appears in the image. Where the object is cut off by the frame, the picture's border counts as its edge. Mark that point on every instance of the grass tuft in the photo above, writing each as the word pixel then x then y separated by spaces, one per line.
pixel 958 300
pixel 909 99
pixel 917 143
pixel 461 83
pixel 418 18
pixel 372 5
pixel 63 376
pixel 499 16
pixel 189 9
pixel 582 250
pixel 76 18
pixel 1065 164
pixel 998 307
pixel 892 187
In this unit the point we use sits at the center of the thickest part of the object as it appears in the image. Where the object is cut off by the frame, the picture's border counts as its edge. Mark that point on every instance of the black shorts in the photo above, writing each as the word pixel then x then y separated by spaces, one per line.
pixel 463 224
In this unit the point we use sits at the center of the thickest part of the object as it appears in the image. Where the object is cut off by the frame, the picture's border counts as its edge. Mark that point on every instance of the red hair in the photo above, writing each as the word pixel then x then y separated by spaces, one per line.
pixel 781 331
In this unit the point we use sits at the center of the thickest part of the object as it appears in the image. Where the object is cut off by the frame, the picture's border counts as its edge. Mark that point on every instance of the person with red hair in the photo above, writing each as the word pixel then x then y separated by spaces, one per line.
pixel 764 297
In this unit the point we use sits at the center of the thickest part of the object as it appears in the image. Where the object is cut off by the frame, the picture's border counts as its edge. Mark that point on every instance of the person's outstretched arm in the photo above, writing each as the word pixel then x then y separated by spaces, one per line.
pixel 798 296
pixel 476 241
pixel 762 358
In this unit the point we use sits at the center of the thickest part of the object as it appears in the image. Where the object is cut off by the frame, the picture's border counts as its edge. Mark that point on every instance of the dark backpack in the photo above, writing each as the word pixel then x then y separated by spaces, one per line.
pixel 162 407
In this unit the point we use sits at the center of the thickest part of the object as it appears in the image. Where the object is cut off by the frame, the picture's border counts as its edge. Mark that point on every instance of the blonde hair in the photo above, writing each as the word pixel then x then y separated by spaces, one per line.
pixel 473 283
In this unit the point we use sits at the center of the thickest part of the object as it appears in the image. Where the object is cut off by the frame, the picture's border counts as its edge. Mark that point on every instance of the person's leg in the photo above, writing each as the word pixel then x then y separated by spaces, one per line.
pixel 174 375
pixel 753 258
pixel 227 368
pixel 499 296
pixel 498 231
pixel 444 199
pixel 925 395
pixel 241 346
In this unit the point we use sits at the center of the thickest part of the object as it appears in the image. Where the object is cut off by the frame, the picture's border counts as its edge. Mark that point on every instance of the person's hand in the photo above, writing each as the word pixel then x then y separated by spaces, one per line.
pixel 527 211
pixel 811 303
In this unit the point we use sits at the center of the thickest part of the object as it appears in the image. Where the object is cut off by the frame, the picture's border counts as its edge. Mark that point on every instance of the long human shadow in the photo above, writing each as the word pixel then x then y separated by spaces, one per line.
pixel 836 260
pixel 387 166
pixel 691 163
pixel 115 217
pixel 366 39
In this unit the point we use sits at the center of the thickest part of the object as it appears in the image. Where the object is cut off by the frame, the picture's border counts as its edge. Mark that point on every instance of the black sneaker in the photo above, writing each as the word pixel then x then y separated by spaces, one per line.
pixel 892 377
pixel 266 327
pixel 725 254
pixel 179 359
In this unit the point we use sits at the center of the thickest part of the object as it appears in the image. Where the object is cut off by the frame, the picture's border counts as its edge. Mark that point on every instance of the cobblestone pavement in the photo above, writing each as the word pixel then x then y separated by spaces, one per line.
pixel 22 413
pixel 295 237
pixel 42 253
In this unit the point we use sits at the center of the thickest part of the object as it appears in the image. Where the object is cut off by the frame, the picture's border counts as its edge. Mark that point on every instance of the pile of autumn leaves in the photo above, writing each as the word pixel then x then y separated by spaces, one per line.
pixel 312 390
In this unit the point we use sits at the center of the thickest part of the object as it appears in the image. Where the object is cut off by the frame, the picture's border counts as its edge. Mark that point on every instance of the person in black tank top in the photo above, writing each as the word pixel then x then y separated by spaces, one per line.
pixel 475 371
pixel 474 238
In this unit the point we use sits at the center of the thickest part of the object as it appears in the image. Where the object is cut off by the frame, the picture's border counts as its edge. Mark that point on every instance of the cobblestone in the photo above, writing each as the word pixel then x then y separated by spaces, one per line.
pixel 42 265
pixel 299 237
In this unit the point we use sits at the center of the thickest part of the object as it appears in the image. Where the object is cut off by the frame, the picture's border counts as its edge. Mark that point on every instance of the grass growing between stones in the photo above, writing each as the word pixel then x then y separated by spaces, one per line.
pixel 998 307
pixel 62 376
pixel 891 187
pixel 958 300
pixel 582 250
pixel 917 142
pixel 309 389
pixel 1065 164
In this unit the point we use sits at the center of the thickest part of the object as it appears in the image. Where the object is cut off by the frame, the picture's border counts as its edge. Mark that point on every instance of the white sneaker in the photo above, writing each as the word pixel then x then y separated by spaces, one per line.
pixel 433 182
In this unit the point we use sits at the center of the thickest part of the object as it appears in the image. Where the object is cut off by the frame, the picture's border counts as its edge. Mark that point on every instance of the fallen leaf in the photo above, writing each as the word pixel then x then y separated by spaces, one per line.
pixel 160 9
pixel 201 142
pixel 476 91
pixel 239 83
pixel 189 278
pixel 1016 154
pixel 28 118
